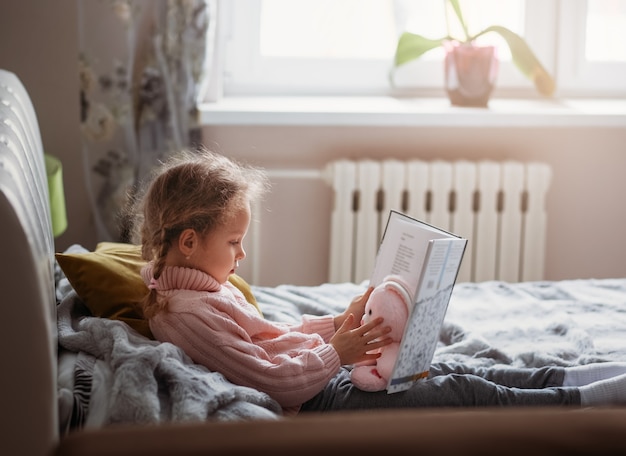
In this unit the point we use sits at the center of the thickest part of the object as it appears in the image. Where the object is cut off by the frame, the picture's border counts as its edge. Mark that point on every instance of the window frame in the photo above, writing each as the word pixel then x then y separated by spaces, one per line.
pixel 245 73
pixel 577 77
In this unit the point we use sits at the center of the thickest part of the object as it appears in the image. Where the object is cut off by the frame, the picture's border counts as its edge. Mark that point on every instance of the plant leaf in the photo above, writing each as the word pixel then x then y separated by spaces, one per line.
pixel 412 46
pixel 457 10
pixel 525 60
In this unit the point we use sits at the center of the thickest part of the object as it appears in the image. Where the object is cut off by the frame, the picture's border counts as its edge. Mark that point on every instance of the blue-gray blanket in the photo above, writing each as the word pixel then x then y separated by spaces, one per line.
pixel 138 380
pixel 491 323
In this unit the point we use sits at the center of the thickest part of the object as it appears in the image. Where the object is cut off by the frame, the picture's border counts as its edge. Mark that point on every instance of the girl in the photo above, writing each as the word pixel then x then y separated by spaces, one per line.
pixel 193 219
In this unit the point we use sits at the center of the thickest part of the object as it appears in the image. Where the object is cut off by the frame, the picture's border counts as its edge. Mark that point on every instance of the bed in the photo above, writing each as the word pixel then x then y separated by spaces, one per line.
pixel 82 374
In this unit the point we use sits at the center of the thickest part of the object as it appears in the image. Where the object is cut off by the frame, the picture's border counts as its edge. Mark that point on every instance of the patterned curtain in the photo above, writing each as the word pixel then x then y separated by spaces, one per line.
pixel 142 70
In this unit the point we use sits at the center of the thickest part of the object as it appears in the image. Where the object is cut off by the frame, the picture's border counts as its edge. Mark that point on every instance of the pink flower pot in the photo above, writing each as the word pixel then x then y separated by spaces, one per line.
pixel 470 73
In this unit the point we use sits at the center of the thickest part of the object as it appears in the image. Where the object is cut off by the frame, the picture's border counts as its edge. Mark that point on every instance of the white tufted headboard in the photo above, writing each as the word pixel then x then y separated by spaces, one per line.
pixel 28 381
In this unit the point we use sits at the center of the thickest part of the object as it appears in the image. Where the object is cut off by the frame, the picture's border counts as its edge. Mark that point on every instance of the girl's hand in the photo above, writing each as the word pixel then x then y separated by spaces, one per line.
pixel 354 344
pixel 356 308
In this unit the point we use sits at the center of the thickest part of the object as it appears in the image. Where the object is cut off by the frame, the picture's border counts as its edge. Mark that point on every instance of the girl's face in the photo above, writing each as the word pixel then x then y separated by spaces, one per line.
pixel 220 251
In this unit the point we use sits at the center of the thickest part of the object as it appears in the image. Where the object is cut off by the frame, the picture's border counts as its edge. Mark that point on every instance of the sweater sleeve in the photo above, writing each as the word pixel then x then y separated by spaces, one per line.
pixel 290 364
pixel 324 326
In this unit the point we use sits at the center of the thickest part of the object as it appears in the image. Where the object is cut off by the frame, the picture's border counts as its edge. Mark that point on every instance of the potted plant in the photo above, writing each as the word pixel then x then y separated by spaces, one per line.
pixel 471 69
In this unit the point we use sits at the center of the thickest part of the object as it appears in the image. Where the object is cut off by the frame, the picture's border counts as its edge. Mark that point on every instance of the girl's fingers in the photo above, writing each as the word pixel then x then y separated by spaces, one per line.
pixel 369 325
pixel 346 324
pixel 365 295
pixel 379 343
pixel 367 330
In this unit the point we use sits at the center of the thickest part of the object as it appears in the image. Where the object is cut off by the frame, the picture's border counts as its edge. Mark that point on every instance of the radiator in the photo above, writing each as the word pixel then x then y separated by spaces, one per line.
pixel 498 206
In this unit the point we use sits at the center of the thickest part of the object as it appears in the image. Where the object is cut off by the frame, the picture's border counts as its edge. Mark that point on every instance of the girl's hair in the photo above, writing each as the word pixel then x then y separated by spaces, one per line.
pixel 200 190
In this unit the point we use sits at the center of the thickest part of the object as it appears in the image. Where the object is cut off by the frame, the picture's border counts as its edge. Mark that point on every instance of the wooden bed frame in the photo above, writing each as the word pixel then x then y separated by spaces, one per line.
pixel 28 381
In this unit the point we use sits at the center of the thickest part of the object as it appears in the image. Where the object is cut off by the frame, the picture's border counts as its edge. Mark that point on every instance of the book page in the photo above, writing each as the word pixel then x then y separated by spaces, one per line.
pixel 403 249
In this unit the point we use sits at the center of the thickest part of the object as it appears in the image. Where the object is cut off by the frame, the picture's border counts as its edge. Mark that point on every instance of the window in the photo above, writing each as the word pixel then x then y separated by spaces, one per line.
pixel 592 57
pixel 346 47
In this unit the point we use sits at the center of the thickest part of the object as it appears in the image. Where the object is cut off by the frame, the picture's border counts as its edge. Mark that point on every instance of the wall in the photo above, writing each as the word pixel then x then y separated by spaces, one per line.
pixel 586 213
pixel 39 43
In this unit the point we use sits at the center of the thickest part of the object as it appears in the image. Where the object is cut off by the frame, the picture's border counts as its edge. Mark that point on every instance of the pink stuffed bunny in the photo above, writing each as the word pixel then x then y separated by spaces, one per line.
pixel 391 300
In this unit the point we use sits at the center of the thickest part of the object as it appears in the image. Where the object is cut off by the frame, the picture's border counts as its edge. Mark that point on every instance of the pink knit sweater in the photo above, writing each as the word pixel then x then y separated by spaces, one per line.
pixel 218 328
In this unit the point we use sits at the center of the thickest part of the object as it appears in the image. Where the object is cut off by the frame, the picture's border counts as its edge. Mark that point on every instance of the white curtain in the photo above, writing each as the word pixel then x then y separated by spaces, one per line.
pixel 143 66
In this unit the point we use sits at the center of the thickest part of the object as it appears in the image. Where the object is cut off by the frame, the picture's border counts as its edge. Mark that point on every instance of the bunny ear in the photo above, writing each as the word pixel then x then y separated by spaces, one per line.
pixel 398 284
pixel 398 279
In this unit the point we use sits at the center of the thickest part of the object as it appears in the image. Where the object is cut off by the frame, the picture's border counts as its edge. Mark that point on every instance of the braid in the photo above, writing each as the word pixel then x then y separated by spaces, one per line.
pixel 152 305
pixel 196 190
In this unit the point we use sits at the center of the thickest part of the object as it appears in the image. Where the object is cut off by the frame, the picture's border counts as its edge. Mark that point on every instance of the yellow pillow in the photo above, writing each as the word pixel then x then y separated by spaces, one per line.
pixel 108 281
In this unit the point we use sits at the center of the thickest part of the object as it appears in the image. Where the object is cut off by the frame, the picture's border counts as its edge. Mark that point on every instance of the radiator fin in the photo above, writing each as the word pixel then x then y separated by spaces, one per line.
pixel 498 206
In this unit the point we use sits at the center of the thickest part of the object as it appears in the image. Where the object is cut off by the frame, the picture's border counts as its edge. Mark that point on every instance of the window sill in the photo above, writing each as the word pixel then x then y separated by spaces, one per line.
pixel 412 112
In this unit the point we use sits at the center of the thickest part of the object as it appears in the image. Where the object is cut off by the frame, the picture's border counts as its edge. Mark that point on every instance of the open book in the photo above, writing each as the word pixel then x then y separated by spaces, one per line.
pixel 428 259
